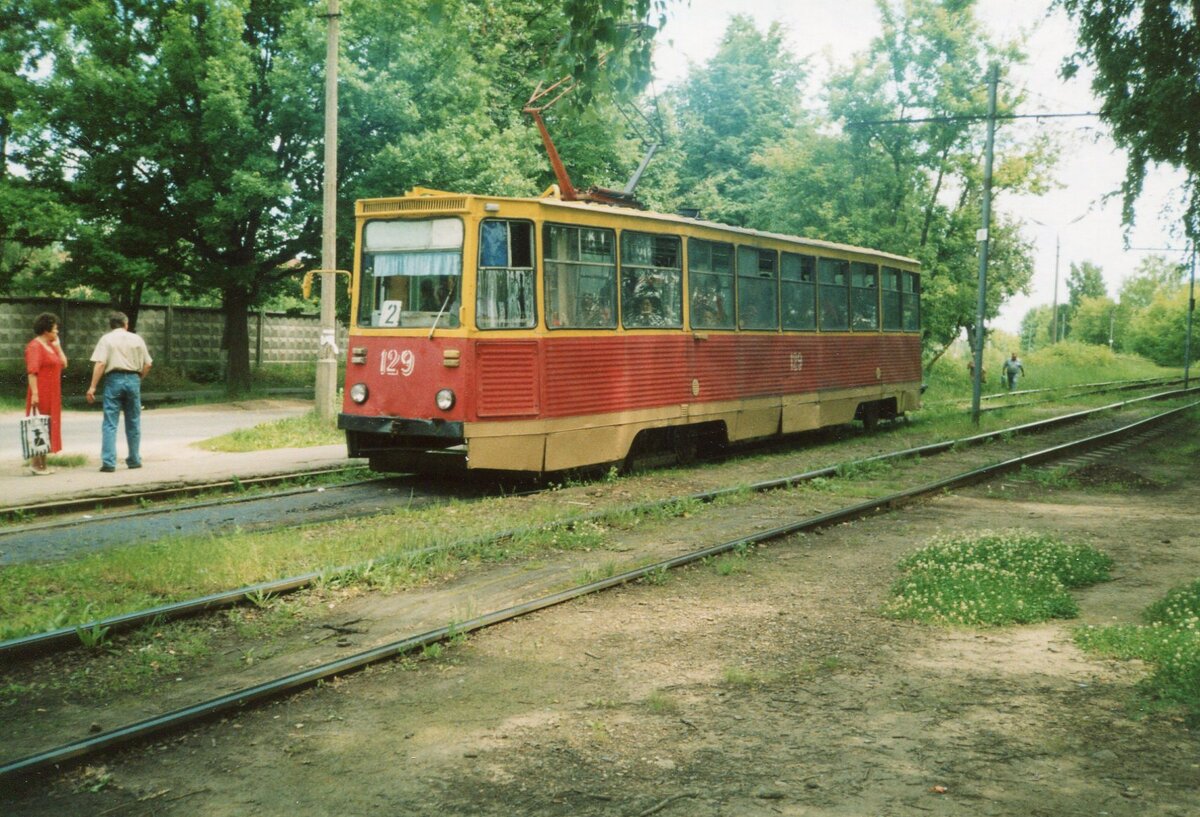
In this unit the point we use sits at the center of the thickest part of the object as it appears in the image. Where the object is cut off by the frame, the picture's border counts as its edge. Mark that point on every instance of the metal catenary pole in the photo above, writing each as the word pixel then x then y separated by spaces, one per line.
pixel 982 236
pixel 327 353
pixel 1187 346
pixel 1054 317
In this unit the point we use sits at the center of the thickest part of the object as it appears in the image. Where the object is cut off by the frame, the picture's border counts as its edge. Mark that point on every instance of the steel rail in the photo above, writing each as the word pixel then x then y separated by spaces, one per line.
pixel 33 765
pixel 131 498
pixel 1051 399
pixel 1109 385
pixel 1116 385
pixel 54 524
pixel 68 637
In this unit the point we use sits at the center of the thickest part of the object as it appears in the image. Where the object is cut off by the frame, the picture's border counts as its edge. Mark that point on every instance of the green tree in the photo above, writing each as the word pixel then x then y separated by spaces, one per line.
pixel 33 217
pixel 744 100
pixel 1159 331
pixel 1085 280
pixel 1035 327
pixel 1152 274
pixel 1094 319
pixel 1146 56
pixel 192 130
pixel 915 188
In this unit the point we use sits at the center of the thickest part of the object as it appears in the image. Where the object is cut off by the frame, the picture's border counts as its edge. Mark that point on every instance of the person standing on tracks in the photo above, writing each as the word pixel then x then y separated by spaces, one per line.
pixel 1011 368
pixel 122 360
pixel 44 363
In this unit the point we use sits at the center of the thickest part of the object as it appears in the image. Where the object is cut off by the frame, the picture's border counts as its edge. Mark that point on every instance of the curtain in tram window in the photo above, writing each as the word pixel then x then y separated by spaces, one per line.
pixel 493 244
pixel 411 264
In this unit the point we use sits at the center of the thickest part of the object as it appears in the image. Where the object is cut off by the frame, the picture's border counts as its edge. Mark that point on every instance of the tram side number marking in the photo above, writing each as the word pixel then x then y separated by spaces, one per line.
pixel 395 362
pixel 797 361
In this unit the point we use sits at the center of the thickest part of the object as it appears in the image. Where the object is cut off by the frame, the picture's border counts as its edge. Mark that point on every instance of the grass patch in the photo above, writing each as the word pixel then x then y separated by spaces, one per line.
pixel 291 432
pixel 729 564
pixel 659 703
pixel 1063 364
pixel 1056 477
pixel 1169 641
pixel 990 579
pixel 399 549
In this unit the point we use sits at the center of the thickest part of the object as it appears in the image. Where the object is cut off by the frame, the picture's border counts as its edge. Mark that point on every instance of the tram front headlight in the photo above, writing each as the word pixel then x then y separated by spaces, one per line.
pixel 444 399
pixel 358 393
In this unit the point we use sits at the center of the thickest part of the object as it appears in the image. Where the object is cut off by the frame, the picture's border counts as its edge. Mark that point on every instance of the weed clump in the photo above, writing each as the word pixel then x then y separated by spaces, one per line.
pixel 991 579
pixel 1169 642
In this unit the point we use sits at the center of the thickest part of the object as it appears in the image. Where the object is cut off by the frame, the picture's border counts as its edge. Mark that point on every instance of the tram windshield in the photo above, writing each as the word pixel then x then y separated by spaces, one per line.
pixel 411 273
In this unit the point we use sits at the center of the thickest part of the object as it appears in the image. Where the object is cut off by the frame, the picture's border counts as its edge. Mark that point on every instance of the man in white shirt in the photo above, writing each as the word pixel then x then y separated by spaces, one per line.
pixel 122 360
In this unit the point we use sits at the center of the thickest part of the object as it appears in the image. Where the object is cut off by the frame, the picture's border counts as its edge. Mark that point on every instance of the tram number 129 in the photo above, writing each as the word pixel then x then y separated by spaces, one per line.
pixel 396 362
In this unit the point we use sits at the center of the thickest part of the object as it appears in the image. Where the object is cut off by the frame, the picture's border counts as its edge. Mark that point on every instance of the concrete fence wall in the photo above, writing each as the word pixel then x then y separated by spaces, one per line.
pixel 186 337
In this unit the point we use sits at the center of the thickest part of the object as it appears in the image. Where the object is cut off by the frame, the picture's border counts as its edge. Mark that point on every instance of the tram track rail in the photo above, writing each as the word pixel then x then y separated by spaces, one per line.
pixel 1101 389
pixel 127 499
pixel 1069 390
pixel 135 499
pixel 71 636
pixel 28 768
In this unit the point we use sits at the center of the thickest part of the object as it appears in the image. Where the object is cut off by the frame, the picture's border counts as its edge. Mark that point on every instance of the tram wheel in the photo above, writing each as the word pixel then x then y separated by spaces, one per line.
pixel 870 416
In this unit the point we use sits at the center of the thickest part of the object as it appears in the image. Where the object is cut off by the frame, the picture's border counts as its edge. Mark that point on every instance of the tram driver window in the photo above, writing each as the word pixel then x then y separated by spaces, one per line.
pixel 411 273
pixel 505 289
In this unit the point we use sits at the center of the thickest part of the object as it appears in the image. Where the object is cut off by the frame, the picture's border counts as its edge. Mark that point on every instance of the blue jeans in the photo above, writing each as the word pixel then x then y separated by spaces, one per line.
pixel 122 392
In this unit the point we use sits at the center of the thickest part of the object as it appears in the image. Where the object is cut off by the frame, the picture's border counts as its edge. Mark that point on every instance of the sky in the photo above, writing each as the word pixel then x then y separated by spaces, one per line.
pixel 1080 215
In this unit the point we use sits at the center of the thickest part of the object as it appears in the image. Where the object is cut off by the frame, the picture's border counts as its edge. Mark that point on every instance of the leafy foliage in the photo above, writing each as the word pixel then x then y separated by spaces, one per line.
pixel 1146 56
pixel 1159 332
pixel 744 100
pixel 1094 318
pixel 176 147
pixel 914 189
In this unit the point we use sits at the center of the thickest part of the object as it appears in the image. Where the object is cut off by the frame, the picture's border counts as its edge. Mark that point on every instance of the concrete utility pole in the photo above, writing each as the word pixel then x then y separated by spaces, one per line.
pixel 327 354
pixel 982 237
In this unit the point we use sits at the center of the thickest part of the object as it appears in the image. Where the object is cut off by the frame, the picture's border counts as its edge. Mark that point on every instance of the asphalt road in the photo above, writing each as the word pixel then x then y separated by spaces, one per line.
pixel 163 429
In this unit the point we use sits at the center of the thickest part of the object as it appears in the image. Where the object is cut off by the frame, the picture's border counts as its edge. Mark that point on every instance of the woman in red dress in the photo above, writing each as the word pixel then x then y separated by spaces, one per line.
pixel 44 363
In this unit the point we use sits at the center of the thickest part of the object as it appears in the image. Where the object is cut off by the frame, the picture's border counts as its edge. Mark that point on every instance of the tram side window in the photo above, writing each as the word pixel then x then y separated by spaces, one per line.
pixel 799 291
pixel 581 277
pixel 891 299
pixel 833 293
pixel 911 301
pixel 757 288
pixel 864 296
pixel 651 281
pixel 710 283
pixel 505 289
pixel 411 273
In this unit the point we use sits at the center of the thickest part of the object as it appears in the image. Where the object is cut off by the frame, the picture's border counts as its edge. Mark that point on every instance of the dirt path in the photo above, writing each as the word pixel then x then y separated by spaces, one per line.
pixel 767 686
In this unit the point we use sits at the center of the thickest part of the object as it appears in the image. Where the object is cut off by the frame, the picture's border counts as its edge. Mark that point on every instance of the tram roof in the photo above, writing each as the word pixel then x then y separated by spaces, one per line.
pixel 550 198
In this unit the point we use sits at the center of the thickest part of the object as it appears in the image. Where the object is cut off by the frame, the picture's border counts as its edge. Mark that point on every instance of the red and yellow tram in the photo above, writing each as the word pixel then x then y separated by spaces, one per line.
pixel 538 335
